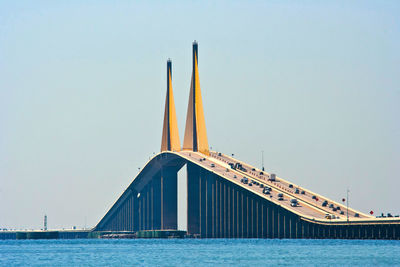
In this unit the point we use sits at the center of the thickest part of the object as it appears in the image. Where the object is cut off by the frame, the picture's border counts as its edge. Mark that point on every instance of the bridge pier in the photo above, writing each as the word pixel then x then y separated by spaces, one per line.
pixel 169 198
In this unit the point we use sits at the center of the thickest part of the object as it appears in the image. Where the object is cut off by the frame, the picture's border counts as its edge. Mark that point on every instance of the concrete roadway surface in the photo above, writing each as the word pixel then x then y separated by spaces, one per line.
pixel 308 207
pixel 307 197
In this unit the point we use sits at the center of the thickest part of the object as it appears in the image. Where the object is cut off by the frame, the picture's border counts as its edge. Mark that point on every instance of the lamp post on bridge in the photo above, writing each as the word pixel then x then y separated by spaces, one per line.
pixel 262 159
pixel 347 203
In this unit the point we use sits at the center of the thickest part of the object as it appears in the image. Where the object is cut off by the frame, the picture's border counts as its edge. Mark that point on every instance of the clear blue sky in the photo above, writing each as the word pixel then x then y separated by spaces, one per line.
pixel 315 84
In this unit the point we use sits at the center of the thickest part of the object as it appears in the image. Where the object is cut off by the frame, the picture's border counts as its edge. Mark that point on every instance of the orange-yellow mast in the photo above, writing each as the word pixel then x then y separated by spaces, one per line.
pixel 170 137
pixel 195 133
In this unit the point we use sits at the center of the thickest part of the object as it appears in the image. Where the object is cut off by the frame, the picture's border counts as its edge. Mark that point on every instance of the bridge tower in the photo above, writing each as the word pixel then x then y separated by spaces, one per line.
pixel 195 133
pixel 170 137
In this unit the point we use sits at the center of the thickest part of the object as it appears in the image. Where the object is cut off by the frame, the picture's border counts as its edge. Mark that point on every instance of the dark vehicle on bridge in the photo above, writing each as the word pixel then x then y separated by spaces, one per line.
pixel 331 206
pixel 239 167
pixel 266 191
pixel 297 191
pixel 334 209
pixel 212 165
pixel 244 180
pixel 290 186
pixel 314 197
pixel 342 212
pixel 303 192
pixel 261 185
pixel 294 202
pixel 338 208
pixel 261 173
pixel 325 203
pixel 357 215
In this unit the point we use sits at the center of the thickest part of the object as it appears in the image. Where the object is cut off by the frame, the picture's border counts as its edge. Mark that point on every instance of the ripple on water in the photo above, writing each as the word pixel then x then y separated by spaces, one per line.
pixel 198 252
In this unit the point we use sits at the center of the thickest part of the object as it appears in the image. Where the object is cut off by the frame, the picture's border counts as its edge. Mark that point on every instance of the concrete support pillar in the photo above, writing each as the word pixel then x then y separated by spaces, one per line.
pixel 193 173
pixel 169 198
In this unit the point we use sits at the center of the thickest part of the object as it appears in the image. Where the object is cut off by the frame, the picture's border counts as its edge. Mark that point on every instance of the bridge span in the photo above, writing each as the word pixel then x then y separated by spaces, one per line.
pixel 227 198
pixel 221 206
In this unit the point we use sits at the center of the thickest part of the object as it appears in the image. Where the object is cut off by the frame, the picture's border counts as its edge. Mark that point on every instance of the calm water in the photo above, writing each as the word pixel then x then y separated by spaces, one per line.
pixel 184 252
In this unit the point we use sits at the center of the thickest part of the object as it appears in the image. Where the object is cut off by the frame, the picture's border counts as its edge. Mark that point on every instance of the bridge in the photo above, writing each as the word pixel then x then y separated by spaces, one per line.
pixel 228 198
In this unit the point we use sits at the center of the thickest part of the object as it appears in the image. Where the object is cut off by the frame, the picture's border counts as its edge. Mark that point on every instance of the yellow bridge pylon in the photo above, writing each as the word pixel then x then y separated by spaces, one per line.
pixel 195 133
pixel 170 137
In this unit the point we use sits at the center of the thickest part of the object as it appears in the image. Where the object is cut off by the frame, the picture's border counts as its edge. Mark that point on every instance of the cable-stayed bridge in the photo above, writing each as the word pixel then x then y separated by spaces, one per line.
pixel 227 198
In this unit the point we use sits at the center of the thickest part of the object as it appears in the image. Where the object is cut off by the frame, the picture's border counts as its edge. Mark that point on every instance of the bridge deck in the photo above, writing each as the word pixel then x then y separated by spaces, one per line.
pixel 308 207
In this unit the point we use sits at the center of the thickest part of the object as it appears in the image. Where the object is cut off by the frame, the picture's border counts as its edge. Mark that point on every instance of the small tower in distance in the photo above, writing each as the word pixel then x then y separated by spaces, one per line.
pixel 45 223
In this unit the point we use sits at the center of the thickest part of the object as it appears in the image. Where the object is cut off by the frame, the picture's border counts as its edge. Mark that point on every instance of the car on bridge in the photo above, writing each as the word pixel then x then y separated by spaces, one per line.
pixel 267 190
pixel 294 202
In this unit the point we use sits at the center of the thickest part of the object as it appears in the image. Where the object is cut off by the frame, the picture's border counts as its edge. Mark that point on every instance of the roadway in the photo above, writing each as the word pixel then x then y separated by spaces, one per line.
pixel 307 197
pixel 308 207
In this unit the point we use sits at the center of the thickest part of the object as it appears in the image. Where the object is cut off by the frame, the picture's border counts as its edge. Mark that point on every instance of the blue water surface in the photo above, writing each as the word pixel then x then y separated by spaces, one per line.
pixel 198 252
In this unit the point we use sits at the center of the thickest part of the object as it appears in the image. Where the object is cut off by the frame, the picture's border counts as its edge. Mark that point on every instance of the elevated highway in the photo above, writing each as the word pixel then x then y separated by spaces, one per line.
pixel 308 207
pixel 221 206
